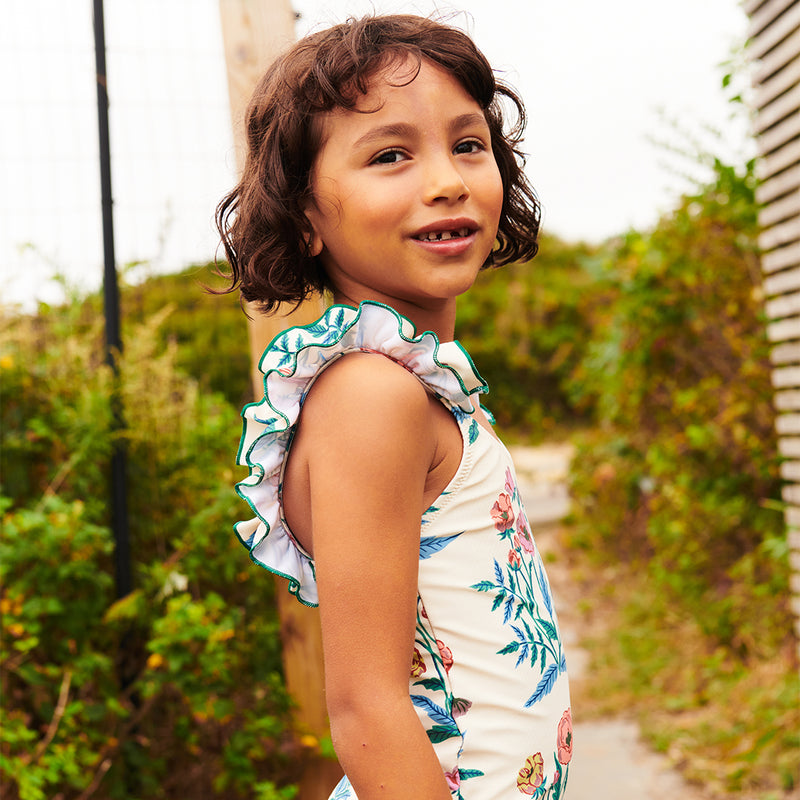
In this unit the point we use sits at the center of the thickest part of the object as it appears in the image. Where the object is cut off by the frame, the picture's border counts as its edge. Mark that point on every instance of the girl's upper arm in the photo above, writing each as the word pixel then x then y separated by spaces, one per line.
pixel 369 432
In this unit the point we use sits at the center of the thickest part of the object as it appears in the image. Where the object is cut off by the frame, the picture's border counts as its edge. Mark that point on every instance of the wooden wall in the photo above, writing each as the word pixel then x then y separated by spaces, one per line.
pixel 774 33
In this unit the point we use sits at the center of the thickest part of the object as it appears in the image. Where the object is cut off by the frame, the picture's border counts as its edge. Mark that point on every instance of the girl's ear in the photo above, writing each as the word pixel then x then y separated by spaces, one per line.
pixel 313 242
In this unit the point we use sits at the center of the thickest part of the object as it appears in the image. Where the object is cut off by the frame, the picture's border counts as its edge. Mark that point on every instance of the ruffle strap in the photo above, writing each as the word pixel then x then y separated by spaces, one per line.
pixel 290 365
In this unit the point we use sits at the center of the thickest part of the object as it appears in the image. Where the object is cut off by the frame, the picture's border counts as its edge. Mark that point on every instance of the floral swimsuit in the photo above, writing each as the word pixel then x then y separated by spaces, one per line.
pixel 487 674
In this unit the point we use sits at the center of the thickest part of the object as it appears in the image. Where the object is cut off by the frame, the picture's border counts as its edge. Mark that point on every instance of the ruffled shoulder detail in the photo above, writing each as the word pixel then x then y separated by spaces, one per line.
pixel 290 365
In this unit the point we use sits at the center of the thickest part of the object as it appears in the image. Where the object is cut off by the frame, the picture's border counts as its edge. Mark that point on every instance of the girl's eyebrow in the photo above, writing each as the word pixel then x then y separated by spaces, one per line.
pixel 405 129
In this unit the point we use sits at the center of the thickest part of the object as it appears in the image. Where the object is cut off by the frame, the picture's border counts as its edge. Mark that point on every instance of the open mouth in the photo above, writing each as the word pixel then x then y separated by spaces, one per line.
pixel 443 236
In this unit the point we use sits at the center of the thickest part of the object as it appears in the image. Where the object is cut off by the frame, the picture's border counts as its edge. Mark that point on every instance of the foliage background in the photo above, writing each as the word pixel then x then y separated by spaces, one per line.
pixel 175 690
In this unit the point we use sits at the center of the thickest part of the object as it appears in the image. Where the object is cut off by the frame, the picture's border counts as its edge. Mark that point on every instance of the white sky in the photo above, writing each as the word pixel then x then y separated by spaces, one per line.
pixel 594 76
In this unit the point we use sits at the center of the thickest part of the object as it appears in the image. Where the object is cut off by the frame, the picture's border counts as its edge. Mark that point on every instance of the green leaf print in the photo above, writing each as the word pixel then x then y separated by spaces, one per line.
pixel 441 733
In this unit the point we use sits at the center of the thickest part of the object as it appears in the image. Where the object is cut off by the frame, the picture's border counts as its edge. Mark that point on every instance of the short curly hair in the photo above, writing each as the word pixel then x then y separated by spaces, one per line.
pixel 265 232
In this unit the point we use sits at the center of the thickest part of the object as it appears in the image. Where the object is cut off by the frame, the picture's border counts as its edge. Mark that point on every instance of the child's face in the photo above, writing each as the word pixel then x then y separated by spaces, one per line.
pixel 407 198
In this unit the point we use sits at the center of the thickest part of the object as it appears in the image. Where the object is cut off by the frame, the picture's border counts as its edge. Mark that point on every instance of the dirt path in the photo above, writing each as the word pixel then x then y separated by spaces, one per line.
pixel 611 762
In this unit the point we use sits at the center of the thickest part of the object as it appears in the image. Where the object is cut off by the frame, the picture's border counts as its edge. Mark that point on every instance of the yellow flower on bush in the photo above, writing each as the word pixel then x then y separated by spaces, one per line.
pixel 309 740
pixel 155 660
pixel 531 775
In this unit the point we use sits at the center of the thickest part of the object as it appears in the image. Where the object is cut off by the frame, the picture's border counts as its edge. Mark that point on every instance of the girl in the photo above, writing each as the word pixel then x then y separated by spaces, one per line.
pixel 379 171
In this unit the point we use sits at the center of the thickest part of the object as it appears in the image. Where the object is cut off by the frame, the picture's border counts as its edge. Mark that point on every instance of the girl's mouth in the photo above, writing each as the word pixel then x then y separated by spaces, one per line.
pixel 443 236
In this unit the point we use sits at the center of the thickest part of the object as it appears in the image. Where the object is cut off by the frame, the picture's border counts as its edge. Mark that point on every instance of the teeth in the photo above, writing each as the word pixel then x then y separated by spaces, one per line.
pixel 443 236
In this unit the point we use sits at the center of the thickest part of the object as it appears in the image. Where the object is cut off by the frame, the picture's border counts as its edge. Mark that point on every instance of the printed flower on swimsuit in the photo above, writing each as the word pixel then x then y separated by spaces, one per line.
pixel 524 539
pixel 531 775
pixel 565 738
pixel 417 664
pixel 502 514
pixel 453 779
pixel 446 653
pixel 510 485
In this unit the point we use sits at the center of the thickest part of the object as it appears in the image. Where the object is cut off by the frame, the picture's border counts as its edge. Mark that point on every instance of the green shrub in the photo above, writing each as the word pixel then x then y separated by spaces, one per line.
pixel 677 488
pixel 175 690
pixel 525 328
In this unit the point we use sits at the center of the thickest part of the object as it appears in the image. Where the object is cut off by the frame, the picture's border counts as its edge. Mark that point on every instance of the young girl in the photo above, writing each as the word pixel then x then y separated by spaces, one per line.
pixel 379 171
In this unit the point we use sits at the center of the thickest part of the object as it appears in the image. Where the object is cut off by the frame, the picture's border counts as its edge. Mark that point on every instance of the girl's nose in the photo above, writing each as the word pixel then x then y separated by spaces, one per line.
pixel 444 182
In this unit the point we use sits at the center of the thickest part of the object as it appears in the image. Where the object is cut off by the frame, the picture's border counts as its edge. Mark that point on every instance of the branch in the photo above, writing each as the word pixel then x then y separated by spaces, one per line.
pixel 61 706
pixel 104 767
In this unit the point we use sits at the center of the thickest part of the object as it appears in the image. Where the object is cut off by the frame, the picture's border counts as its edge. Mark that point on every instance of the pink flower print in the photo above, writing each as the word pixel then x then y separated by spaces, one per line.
pixel 453 779
pixel 565 737
pixel 524 538
pixel 531 775
pixel 502 513
pixel 514 560
pixel 417 664
pixel 510 485
pixel 446 653
pixel 460 706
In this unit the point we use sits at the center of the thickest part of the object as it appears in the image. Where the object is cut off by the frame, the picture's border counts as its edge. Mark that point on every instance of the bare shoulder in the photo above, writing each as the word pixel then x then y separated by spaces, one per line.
pixel 368 429
pixel 367 389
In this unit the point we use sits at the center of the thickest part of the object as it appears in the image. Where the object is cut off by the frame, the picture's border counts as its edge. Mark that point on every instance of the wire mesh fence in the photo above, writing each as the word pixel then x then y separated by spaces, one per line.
pixel 171 144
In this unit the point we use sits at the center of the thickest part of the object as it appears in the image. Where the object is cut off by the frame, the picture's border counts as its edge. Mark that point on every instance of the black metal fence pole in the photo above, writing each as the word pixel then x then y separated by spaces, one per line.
pixel 119 504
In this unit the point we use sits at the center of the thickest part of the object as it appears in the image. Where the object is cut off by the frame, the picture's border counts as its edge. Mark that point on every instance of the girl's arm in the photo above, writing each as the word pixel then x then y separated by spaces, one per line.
pixel 370 440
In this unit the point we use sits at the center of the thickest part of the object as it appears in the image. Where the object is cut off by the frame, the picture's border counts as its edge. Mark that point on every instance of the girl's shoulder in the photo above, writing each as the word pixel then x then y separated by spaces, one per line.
pixel 362 386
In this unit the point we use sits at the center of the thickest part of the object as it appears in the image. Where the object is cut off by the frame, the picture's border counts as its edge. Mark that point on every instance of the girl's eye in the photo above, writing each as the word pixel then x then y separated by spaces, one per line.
pixel 468 147
pixel 389 157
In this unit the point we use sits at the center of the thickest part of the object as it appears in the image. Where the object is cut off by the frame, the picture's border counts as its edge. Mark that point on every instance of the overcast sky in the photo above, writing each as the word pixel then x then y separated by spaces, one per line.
pixel 597 78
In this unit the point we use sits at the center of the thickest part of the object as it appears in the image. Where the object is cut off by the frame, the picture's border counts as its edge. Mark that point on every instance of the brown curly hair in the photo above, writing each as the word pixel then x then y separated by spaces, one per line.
pixel 264 229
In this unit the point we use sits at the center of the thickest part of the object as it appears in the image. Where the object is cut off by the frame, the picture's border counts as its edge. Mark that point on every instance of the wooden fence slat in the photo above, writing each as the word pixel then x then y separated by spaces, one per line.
pixel 793 521
pixel 777 58
pixel 773 34
pixel 788 425
pixel 781 210
pixel 784 377
pixel 784 233
pixel 787 353
pixel 786 305
pixel 790 470
pixel 787 400
pixel 791 494
pixel 779 135
pixel 779 109
pixel 780 259
pixel 782 184
pixel 783 330
pixel 789 447
pixel 751 6
pixel 766 15
pixel 785 281
pixel 783 81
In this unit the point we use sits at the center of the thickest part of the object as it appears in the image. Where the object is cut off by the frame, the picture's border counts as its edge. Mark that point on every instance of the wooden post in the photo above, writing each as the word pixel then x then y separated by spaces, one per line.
pixel 254 32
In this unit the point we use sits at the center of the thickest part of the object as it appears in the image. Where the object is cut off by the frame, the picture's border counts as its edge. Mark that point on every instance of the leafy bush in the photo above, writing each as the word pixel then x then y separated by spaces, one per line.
pixel 111 698
pixel 685 468
pixel 526 330
pixel 676 488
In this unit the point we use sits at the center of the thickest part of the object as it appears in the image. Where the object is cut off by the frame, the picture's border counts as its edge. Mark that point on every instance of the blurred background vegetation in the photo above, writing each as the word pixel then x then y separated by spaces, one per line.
pixel 647 351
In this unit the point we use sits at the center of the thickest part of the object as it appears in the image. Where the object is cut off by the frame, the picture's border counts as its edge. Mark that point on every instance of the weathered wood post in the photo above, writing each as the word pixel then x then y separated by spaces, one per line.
pixel 254 32
pixel 774 34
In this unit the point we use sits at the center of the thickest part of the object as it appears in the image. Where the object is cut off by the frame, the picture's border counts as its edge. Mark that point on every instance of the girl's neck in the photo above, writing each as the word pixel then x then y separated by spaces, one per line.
pixel 439 317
